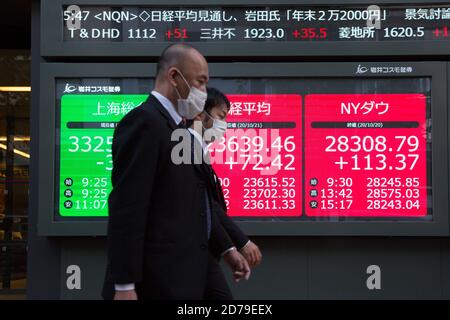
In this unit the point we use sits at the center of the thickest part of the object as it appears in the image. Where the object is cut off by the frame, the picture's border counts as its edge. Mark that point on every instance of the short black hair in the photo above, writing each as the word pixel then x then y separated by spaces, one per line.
pixel 215 98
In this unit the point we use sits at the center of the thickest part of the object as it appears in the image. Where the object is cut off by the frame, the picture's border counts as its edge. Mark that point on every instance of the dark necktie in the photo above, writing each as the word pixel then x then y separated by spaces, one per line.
pixel 217 188
pixel 182 124
pixel 207 199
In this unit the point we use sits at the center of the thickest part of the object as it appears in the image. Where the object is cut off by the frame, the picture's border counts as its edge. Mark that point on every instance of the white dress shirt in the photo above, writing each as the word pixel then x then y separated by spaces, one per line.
pixel 200 140
pixel 168 105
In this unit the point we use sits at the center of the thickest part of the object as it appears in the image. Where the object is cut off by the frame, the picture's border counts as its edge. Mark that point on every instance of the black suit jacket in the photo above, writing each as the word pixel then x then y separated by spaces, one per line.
pixel 239 238
pixel 215 190
pixel 157 229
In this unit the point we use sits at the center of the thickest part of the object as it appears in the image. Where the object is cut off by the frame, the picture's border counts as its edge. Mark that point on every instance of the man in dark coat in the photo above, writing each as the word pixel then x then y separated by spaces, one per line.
pixel 162 233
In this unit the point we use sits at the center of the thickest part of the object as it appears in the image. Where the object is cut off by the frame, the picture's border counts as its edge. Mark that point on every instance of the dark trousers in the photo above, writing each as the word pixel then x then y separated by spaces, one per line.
pixel 216 285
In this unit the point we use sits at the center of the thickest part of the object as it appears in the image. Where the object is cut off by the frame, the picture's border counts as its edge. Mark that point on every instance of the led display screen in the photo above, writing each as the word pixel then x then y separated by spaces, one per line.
pixel 294 23
pixel 295 149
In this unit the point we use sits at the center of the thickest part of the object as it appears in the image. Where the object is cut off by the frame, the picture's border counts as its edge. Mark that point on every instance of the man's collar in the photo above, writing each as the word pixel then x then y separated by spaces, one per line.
pixel 200 140
pixel 168 105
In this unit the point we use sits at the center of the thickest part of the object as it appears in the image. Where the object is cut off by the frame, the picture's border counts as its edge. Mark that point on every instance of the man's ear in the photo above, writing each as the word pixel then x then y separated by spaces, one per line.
pixel 171 74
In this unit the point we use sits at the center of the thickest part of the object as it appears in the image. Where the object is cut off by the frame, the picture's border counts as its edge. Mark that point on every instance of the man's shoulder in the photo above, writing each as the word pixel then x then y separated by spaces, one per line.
pixel 146 112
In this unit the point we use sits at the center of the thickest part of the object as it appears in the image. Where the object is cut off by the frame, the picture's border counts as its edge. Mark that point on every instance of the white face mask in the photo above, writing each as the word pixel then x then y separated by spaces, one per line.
pixel 190 107
pixel 216 132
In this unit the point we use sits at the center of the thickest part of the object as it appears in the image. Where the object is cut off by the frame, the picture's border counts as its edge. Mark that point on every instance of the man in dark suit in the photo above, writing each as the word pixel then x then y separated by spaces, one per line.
pixel 161 230
pixel 211 123
pixel 213 118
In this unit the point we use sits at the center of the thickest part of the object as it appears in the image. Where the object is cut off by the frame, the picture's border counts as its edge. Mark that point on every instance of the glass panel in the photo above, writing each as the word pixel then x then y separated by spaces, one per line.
pixel 14 178
pixel 13 267
pixel 2 169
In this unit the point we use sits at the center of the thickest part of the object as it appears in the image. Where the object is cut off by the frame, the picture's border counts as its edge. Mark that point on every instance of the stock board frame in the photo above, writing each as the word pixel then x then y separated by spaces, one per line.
pixel 439 226
pixel 53 45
